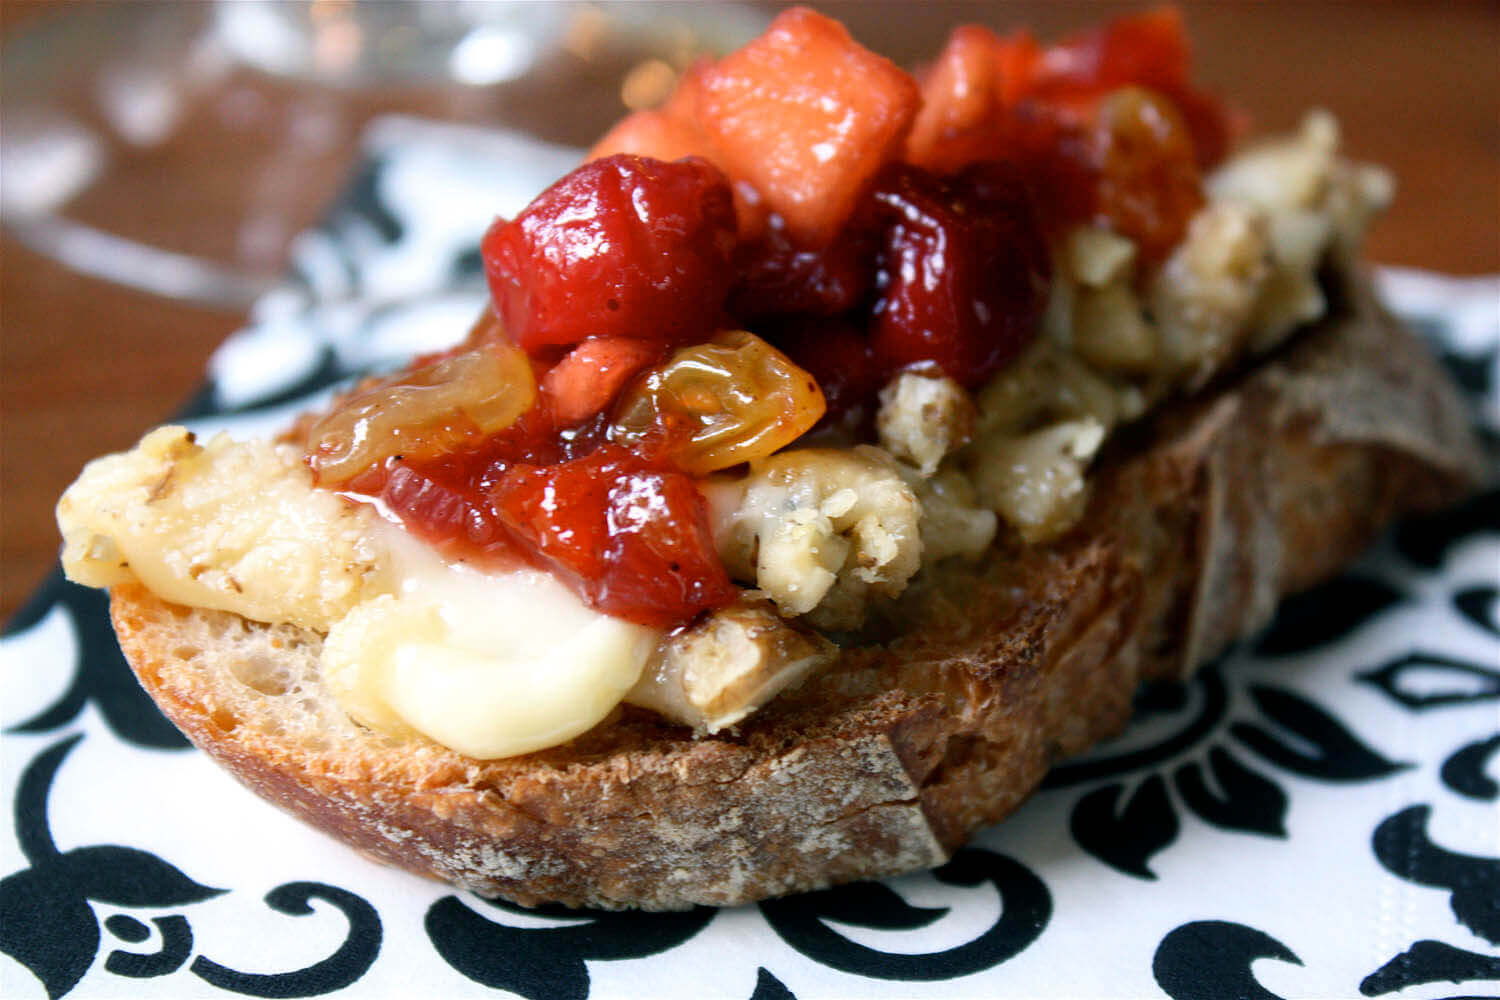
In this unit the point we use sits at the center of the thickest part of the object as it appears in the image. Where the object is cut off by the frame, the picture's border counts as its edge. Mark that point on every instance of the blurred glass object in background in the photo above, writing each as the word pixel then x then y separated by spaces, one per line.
pixel 178 148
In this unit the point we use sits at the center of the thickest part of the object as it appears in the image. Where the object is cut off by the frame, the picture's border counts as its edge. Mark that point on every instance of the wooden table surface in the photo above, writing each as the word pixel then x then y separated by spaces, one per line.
pixel 86 366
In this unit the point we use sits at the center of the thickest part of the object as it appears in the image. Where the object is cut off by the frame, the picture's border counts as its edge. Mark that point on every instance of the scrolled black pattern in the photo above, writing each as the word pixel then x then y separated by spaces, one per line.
pixel 1158 698
pixel 176 945
pixel 46 922
pixel 1340 755
pixel 1210 960
pixel 1291 732
pixel 1402 847
pixel 352 959
pixel 1480 606
pixel 1026 908
pixel 1250 803
pixel 768 987
pixel 101 676
pixel 1429 962
pixel 1465 682
pixel 547 963
pixel 1326 614
pixel 1425 541
pixel 1126 838
pixel 324 374
pixel 1470 371
pixel 362 206
pixel 1463 771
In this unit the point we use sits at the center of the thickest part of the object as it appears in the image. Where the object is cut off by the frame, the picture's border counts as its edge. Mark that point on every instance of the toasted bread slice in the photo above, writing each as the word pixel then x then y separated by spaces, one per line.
pixel 891 758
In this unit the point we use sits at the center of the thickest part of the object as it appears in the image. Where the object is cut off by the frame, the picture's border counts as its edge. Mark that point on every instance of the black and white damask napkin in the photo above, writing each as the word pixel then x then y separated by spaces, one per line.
pixel 1315 815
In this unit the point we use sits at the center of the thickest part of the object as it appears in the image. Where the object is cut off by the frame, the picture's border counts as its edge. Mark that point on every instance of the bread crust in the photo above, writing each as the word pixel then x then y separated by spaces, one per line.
pixel 890 759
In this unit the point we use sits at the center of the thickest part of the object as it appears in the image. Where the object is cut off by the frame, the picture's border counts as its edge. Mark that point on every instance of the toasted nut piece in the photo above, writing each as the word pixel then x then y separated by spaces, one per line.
pixel 1110 332
pixel 1098 257
pixel 1206 293
pixel 954 523
pixel 1036 481
pixel 821 531
pixel 924 417
pixel 716 672
pixel 1048 384
pixel 1316 204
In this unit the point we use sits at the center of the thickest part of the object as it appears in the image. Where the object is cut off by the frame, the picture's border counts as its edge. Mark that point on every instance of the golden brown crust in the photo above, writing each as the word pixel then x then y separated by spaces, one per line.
pixel 891 758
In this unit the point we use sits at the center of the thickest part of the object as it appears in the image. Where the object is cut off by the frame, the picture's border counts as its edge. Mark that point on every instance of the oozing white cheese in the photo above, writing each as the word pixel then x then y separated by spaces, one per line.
pixel 491 665
pixel 229 525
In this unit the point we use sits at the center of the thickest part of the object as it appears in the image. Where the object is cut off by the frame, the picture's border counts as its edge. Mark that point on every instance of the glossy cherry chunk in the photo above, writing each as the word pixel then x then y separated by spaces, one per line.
pixel 835 351
pixel 625 246
pixel 964 272
pixel 445 499
pixel 714 405
pixel 807 116
pixel 1148 49
pixel 632 540
pixel 774 276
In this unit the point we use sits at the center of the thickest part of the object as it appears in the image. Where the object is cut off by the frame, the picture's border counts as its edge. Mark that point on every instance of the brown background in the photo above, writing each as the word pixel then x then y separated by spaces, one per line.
pixel 86 366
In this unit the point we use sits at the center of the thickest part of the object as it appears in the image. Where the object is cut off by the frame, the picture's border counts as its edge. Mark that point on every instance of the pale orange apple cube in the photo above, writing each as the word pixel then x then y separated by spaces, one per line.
pixel 807 116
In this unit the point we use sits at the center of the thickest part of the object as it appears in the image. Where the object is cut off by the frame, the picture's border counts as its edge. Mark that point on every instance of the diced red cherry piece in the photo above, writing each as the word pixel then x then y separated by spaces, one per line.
pixel 775 276
pixel 445 499
pixel 1213 126
pixel 964 272
pixel 436 503
pixel 836 353
pixel 1148 49
pixel 621 247
pixel 632 540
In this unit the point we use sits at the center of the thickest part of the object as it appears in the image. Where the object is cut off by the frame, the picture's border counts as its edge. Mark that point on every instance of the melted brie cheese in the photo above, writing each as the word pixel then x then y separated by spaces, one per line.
pixel 490 665
pixel 228 525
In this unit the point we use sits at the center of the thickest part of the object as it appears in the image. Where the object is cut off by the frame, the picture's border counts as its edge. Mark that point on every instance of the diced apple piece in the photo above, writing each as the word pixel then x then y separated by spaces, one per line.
pixel 591 375
pixel 966 97
pixel 807 116
pixel 669 132
pixel 683 102
pixel 960 103
pixel 653 133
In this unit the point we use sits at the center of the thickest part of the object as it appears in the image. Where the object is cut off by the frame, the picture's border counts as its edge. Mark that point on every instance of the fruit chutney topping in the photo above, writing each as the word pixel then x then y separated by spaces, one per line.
pixel 799 224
